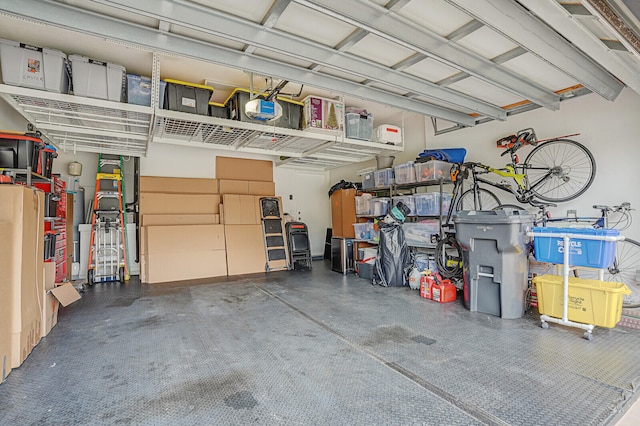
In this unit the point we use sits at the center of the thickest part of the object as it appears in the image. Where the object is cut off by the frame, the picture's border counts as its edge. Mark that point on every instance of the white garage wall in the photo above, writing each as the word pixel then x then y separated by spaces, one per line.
pixel 611 131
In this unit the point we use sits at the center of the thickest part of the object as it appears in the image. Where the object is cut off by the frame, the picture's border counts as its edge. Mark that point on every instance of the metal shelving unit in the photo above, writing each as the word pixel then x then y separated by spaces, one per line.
pixel 74 123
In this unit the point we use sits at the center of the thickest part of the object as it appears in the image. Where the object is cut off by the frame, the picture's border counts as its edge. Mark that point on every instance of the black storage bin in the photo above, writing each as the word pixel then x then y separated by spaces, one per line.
pixel 218 110
pixel 291 110
pixel 20 151
pixel 187 97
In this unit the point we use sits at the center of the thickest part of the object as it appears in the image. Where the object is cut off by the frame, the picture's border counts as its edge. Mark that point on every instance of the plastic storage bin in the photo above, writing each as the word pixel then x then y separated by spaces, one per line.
pixel 187 97
pixel 453 155
pixel 428 204
pixel 139 90
pixel 589 301
pixel 389 134
pixel 379 206
pixel 408 201
pixel 291 110
pixel 97 79
pixel 404 173
pixel 218 110
pixel 582 252
pixel 368 180
pixel 322 113
pixel 420 233
pixel 33 67
pixel 363 204
pixel 363 230
pixel 433 170
pixel 383 178
pixel 358 125
pixel 20 151
pixel 494 252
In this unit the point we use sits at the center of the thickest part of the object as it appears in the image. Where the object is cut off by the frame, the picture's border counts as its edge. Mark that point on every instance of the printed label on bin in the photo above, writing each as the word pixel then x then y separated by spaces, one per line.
pixel 576 303
pixel 33 65
pixel 575 247
pixel 188 102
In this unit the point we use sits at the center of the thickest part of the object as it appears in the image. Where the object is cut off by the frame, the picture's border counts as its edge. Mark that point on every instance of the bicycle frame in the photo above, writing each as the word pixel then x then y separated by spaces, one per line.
pixel 523 192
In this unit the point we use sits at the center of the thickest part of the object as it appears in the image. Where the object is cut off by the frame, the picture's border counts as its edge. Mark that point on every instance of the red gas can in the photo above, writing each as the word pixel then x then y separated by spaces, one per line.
pixel 444 292
pixel 426 282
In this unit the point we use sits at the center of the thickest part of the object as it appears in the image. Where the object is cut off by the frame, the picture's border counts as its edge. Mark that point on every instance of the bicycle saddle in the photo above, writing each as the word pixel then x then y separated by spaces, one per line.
pixel 536 203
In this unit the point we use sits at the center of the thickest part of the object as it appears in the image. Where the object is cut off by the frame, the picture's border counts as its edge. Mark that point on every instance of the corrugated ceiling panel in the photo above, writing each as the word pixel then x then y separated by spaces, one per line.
pixel 482 90
pixel 535 69
pixel 435 15
pixel 380 50
pixel 111 11
pixel 487 43
pixel 431 70
pixel 312 25
pixel 253 10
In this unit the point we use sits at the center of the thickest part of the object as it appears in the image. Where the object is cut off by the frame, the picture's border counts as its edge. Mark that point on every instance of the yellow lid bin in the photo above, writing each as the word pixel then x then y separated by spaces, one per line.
pixel 589 301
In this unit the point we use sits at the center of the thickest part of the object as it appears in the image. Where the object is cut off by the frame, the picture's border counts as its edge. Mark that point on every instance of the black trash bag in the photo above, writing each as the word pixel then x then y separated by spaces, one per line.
pixel 394 259
pixel 343 184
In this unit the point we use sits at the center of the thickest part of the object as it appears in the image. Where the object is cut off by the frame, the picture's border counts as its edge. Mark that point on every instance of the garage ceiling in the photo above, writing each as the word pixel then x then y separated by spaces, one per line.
pixel 461 62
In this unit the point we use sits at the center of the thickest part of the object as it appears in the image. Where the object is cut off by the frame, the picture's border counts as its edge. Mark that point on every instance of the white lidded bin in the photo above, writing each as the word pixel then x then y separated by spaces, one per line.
pixel 97 79
pixel 388 133
pixel 33 67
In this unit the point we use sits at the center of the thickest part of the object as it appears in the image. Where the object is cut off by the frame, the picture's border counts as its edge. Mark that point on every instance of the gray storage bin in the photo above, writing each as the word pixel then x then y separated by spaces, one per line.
pixel 494 252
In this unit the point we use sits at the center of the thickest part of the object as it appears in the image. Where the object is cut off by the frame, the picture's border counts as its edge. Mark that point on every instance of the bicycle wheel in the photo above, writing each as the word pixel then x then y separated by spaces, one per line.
pixel 486 200
pixel 559 170
pixel 625 269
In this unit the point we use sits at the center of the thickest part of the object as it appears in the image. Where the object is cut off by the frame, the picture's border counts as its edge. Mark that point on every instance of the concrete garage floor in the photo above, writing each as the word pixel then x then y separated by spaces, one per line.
pixel 313 348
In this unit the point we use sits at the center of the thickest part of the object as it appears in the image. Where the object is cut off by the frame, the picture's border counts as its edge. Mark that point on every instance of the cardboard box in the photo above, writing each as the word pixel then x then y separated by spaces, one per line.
pixel 183 238
pixel 323 113
pixel 245 249
pixel 5 314
pixel 343 213
pixel 241 209
pixel 244 169
pixel 49 313
pixel 22 343
pixel 66 294
pixel 22 265
pixel 226 186
pixel 221 213
pixel 262 188
pixel 180 219
pixel 165 267
pixel 174 185
pixel 156 203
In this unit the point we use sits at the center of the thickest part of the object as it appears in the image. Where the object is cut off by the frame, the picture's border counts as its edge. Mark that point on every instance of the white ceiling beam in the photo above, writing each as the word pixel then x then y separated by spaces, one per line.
pixel 390 26
pixel 151 39
pixel 517 24
pixel 465 30
pixel 228 26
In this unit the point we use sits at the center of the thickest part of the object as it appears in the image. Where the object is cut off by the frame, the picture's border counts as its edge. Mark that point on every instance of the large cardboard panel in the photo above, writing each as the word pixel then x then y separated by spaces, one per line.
pixel 241 209
pixel 343 213
pixel 22 265
pixel 6 309
pixel 49 313
pixel 49 276
pixel 66 294
pixel 245 249
pixel 244 169
pixel 233 186
pixel 156 203
pixel 166 267
pixel 22 343
pixel 183 238
pixel 262 188
pixel 174 185
pixel 180 219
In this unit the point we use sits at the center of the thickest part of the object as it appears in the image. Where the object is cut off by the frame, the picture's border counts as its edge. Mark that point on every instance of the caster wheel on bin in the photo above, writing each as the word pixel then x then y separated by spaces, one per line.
pixel 90 277
pixel 121 274
pixel 588 336
pixel 544 325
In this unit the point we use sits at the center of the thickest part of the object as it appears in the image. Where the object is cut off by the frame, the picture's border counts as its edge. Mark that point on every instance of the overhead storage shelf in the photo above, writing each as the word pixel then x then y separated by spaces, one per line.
pixel 74 123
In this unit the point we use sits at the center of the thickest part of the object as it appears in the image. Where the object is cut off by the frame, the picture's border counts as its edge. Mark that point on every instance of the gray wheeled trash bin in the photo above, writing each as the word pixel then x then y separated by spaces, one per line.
pixel 494 254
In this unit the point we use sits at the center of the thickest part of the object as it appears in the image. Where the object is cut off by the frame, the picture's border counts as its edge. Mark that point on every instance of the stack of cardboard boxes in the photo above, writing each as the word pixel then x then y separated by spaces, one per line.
pixel 203 228
pixel 242 183
pixel 29 303
pixel 180 235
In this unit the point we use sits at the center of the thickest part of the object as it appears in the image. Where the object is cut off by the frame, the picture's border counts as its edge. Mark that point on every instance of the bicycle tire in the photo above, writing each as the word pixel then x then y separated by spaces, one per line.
pixel 625 269
pixel 572 166
pixel 487 200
